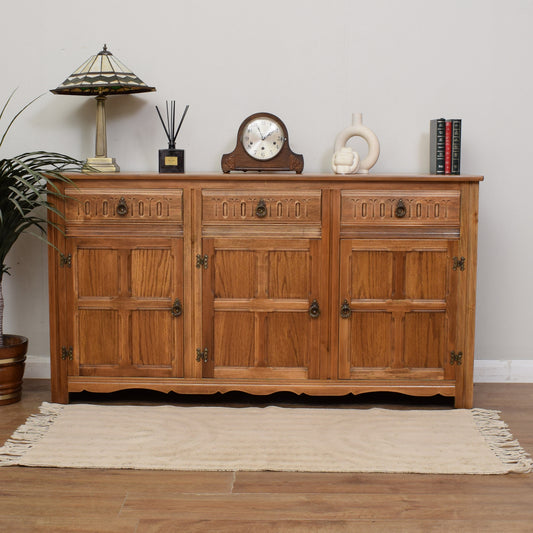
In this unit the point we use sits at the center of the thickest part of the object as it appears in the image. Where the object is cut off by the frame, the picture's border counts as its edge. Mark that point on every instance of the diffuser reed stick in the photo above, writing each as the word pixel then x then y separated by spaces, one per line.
pixel 171 122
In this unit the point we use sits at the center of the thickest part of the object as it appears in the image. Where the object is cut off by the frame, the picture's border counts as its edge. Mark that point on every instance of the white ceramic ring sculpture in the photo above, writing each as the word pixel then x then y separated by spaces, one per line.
pixel 341 163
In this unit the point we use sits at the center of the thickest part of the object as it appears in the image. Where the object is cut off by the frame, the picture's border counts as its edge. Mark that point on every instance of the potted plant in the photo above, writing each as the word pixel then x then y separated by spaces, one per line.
pixel 25 184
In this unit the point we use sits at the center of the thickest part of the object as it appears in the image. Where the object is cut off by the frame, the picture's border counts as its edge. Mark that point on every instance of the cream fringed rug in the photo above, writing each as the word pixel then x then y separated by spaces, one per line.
pixel 272 438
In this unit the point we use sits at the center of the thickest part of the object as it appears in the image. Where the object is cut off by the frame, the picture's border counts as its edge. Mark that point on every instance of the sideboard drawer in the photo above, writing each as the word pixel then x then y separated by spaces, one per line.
pixel 401 207
pixel 261 206
pixel 123 206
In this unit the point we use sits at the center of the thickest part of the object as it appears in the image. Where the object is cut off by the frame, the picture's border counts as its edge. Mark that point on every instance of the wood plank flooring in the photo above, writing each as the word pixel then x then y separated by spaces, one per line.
pixel 74 500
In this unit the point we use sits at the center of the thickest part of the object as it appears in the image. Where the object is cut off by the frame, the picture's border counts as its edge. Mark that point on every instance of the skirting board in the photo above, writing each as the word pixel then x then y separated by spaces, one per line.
pixel 506 371
pixel 37 367
pixel 485 370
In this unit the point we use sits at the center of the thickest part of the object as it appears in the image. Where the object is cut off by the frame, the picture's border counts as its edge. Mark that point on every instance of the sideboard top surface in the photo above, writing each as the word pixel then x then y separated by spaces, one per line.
pixel 284 177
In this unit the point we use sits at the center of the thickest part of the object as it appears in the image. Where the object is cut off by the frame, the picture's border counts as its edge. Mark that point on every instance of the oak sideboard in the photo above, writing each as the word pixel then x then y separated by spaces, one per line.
pixel 313 283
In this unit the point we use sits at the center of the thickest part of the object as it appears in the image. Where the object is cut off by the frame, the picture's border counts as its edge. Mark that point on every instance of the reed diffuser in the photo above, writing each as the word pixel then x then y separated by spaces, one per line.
pixel 172 160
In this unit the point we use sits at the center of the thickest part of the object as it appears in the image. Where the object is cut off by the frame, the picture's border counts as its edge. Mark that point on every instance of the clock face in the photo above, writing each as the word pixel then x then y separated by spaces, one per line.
pixel 262 138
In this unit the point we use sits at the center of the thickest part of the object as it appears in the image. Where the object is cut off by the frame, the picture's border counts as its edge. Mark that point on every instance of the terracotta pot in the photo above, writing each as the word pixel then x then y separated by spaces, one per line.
pixel 12 359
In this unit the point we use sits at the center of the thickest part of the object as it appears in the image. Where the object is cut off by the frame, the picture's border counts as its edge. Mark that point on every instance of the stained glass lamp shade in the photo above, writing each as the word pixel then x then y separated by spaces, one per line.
pixel 100 75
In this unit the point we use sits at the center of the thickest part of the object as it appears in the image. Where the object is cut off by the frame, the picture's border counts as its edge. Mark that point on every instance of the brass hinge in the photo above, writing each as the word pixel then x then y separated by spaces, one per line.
pixel 65 260
pixel 201 355
pixel 201 261
pixel 67 353
pixel 459 263
pixel 456 358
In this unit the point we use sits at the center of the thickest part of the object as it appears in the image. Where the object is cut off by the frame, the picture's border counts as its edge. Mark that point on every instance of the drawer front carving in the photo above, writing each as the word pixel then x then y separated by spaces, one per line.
pixel 261 206
pixel 119 205
pixel 401 207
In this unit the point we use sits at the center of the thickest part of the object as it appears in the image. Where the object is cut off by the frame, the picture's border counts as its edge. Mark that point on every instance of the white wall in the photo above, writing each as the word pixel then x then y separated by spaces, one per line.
pixel 313 63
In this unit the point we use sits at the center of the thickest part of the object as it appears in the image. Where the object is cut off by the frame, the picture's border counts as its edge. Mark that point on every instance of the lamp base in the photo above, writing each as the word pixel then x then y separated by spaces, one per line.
pixel 100 164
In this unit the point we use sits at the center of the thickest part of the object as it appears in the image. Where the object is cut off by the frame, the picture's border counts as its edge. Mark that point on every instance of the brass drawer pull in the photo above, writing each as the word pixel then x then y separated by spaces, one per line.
pixel 122 207
pixel 177 308
pixel 346 312
pixel 401 210
pixel 261 209
pixel 314 309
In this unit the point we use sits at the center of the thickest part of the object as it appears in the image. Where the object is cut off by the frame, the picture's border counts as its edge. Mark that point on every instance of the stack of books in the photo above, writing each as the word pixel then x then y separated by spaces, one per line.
pixel 445 146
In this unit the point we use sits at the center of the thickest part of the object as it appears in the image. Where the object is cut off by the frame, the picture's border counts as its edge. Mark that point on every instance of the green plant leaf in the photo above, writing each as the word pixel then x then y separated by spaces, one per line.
pixel 27 182
pixel 16 116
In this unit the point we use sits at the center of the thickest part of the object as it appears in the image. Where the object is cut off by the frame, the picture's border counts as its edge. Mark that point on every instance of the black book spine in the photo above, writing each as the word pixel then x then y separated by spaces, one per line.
pixel 437 144
pixel 456 146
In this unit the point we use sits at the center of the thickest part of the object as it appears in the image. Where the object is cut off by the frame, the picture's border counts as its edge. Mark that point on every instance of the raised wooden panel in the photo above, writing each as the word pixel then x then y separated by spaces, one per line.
pixel 153 338
pixel 421 207
pixel 426 274
pixel 287 339
pixel 400 293
pixel 98 273
pixel 124 205
pixel 257 293
pixel 371 336
pixel 425 339
pixel 123 293
pixel 234 339
pixel 371 274
pixel 289 274
pixel 301 206
pixel 151 273
pixel 235 274
pixel 98 337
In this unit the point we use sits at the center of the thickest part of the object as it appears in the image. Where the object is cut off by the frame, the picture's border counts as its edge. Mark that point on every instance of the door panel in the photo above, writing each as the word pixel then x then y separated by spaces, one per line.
pixel 287 340
pixel 427 275
pixel 372 334
pixel 151 273
pixel 401 297
pixel 372 274
pixel 153 337
pixel 123 292
pixel 234 332
pixel 257 293
pixel 99 337
pixel 289 274
pixel 98 273
pixel 235 274
pixel 425 338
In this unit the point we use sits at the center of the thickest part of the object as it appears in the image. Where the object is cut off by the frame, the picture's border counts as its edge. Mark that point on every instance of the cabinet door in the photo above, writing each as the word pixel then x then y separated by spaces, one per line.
pixel 259 316
pixel 399 301
pixel 124 307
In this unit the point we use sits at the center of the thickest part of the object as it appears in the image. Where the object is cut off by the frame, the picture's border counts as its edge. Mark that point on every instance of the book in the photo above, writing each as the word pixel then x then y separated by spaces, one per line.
pixel 445 146
pixel 448 147
pixel 456 147
pixel 437 145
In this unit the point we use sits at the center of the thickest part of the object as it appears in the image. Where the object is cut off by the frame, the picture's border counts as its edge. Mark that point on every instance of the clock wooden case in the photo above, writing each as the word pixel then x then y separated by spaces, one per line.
pixel 262 145
pixel 315 284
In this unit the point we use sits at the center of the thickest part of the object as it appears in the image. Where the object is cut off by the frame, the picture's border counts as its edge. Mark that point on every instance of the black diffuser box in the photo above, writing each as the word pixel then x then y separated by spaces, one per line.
pixel 171 161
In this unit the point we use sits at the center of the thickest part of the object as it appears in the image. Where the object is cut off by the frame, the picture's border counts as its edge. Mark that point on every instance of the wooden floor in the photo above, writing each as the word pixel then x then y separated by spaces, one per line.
pixel 72 500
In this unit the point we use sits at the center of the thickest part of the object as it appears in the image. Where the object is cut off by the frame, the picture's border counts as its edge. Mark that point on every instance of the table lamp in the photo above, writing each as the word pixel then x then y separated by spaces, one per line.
pixel 100 75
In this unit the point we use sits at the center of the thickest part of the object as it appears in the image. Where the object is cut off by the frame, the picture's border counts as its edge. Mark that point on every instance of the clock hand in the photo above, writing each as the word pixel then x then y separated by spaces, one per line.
pixel 272 130
pixel 260 134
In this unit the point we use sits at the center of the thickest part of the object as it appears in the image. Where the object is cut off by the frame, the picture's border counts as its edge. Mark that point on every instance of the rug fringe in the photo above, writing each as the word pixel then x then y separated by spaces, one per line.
pixel 27 435
pixel 501 441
